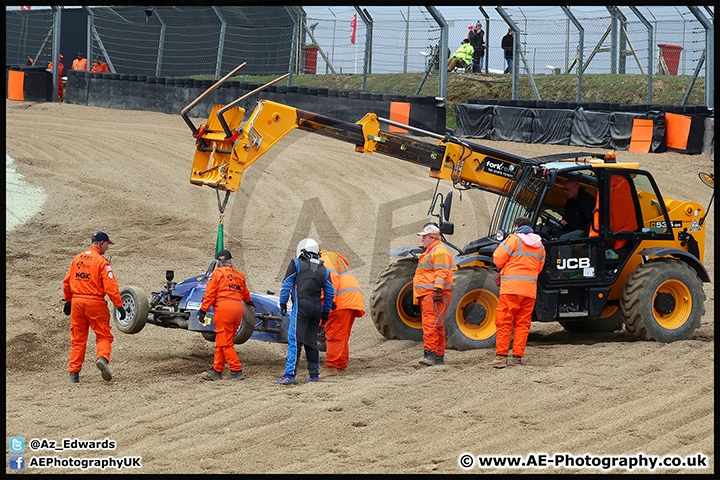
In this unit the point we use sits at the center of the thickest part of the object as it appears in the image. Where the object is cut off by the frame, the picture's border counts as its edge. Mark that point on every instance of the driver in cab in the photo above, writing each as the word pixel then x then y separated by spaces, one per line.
pixel 578 212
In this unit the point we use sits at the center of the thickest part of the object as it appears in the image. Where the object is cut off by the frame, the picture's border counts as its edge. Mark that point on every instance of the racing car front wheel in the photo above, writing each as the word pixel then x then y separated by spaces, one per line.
pixel 136 307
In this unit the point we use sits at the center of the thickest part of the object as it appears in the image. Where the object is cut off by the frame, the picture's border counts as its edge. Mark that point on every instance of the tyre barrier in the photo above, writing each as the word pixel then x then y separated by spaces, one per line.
pixel 171 95
pixel 586 124
pixel 31 84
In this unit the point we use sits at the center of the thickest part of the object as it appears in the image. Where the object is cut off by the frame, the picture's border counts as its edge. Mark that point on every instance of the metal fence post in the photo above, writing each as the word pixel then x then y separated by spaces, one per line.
pixel 516 43
pixel 221 43
pixel 650 50
pixel 581 46
pixel 57 21
pixel 365 16
pixel 487 36
pixel 161 45
pixel 442 68
pixel 295 15
pixel 709 55
pixel 613 38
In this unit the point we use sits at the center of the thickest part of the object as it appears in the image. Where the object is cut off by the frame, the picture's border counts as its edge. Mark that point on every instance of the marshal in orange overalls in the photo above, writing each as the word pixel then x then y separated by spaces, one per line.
pixel 61 67
pixel 225 292
pixel 434 270
pixel 87 281
pixel 520 258
pixel 349 304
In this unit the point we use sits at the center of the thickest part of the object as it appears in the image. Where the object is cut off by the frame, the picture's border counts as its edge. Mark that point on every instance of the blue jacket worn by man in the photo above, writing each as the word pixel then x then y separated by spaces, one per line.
pixel 307 282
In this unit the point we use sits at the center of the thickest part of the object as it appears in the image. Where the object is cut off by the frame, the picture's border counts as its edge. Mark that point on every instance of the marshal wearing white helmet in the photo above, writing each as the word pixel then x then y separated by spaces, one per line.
pixel 306 278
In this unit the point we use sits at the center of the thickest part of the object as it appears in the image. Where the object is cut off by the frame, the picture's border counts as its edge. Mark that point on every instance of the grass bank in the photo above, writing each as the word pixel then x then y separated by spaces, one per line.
pixel 666 89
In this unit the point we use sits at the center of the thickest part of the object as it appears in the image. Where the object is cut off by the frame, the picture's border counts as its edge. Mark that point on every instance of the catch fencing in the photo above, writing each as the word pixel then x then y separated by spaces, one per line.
pixel 399 50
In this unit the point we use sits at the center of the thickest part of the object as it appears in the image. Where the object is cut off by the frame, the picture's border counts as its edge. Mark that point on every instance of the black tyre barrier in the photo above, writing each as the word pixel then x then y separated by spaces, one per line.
pixel 171 95
pixel 33 84
pixel 609 127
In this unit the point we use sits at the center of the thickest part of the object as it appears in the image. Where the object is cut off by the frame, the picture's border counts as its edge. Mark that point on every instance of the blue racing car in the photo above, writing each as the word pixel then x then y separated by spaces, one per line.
pixel 177 305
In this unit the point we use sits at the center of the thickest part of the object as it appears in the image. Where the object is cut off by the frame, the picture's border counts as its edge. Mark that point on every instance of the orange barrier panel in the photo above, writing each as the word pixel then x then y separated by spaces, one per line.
pixel 677 130
pixel 15 85
pixel 641 137
pixel 399 112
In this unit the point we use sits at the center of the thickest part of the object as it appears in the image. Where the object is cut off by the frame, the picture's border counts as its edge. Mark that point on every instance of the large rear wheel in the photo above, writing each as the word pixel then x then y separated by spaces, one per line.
pixel 470 319
pixel 392 309
pixel 136 307
pixel 663 300
pixel 247 325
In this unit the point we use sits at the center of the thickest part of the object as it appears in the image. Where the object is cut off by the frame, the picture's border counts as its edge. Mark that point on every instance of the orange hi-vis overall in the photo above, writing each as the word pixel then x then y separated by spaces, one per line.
pixel 225 292
pixel 520 258
pixel 434 270
pixel 61 67
pixel 349 304
pixel 100 67
pixel 87 281
pixel 79 64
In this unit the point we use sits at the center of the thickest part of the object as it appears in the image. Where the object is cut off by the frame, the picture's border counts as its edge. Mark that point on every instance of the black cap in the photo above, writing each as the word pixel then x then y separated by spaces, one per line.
pixel 102 237
pixel 80 54
pixel 224 253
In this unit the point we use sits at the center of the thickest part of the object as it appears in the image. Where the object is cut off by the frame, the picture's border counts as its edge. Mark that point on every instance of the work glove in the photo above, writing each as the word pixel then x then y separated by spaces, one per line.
pixel 250 304
pixel 324 318
pixel 201 315
pixel 67 308
pixel 334 306
pixel 121 311
pixel 497 280
pixel 283 308
pixel 438 295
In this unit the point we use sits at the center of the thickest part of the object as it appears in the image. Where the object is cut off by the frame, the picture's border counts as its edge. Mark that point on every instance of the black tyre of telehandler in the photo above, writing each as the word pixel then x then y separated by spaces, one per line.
pixel 470 319
pixel 663 300
pixel 392 309
pixel 136 307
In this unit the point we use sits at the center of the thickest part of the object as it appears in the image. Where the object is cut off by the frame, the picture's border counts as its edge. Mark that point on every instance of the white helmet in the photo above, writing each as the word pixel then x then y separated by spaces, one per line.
pixel 307 245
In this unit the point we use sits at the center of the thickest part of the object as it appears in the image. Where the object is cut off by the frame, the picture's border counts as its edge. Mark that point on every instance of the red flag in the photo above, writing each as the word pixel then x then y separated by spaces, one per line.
pixel 353 29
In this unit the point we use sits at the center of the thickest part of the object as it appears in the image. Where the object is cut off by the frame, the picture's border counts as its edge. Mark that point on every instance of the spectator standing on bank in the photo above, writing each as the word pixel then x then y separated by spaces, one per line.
pixel 507 46
pixel 520 258
pixel 80 63
pixel 87 281
pixel 477 40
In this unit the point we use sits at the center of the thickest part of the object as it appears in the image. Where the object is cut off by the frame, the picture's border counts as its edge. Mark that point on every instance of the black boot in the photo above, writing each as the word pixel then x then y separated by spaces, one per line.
pixel 428 358
pixel 439 359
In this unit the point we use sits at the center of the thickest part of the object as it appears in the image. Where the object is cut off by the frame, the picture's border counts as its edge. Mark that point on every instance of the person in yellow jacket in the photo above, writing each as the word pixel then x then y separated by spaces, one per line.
pixel 432 289
pixel 462 56
pixel 348 305
pixel 520 258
